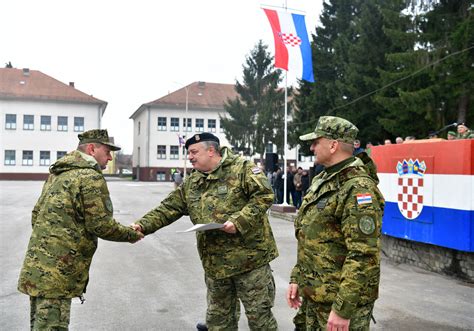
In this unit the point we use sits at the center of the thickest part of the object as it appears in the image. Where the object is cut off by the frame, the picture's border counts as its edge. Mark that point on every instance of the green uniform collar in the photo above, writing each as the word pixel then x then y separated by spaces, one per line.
pixel 338 166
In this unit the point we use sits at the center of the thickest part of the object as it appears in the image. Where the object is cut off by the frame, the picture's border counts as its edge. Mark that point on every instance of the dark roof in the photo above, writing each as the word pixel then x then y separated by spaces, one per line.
pixel 201 95
pixel 35 85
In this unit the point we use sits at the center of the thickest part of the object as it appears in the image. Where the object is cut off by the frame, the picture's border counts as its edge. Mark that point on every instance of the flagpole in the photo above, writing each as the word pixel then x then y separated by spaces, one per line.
pixel 284 145
pixel 285 188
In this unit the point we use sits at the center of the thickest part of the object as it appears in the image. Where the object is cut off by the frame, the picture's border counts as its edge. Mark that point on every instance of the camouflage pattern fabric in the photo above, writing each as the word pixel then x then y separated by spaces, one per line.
pixel 338 231
pixel 235 191
pixel 317 316
pixel 49 314
pixel 332 127
pixel 74 209
pixel 299 320
pixel 469 134
pixel 256 290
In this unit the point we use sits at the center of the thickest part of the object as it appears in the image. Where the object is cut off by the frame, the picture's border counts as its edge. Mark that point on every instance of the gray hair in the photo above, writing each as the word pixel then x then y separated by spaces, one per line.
pixel 208 144
pixel 83 147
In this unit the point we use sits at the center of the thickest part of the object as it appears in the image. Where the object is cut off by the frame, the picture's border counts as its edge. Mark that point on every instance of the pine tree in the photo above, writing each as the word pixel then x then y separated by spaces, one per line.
pixel 256 116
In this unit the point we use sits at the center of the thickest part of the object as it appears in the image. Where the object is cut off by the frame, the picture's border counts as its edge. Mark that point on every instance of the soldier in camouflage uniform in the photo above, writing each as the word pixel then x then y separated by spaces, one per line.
pixel 74 209
pixel 224 188
pixel 464 132
pixel 338 230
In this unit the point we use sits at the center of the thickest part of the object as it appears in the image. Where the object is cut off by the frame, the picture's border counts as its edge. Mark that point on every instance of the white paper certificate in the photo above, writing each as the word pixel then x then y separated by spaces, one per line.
pixel 204 227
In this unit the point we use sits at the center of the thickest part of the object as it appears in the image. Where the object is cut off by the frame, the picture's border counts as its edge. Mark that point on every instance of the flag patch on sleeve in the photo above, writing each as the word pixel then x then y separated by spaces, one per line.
pixel 256 170
pixel 364 198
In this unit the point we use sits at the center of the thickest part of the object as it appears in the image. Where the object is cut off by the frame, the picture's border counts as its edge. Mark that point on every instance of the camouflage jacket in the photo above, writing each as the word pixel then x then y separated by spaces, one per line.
pixel 73 210
pixel 338 230
pixel 469 134
pixel 235 191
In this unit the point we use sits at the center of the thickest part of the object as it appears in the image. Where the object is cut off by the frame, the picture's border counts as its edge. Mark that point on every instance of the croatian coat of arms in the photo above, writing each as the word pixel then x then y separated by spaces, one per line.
pixel 410 187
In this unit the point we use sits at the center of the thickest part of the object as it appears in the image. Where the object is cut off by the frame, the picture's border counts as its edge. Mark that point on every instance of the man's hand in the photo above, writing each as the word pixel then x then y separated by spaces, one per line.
pixel 337 323
pixel 229 227
pixel 292 297
pixel 136 227
pixel 140 237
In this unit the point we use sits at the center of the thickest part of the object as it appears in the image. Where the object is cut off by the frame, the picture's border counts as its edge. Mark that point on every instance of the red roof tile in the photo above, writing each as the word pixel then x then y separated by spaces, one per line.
pixel 200 95
pixel 33 84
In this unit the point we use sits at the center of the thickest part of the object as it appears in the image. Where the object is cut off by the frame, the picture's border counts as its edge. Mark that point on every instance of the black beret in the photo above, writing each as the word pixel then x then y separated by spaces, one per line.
pixel 200 137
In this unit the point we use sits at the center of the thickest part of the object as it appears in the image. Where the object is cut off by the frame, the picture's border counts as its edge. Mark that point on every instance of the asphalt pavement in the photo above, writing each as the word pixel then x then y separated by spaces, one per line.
pixel 158 284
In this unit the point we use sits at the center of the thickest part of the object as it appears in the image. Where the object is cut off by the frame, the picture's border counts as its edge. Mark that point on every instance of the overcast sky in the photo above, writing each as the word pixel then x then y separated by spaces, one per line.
pixel 132 52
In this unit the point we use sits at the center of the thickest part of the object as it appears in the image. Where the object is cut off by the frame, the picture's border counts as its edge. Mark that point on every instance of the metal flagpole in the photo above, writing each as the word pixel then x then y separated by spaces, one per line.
pixel 284 146
pixel 286 128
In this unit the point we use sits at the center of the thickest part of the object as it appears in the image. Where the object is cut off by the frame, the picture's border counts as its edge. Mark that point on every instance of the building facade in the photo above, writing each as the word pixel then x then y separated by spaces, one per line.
pixel 158 126
pixel 40 119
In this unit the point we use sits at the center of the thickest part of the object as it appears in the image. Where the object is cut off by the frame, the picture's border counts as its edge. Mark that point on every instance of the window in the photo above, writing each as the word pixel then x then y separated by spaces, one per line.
pixel 161 152
pixel 10 121
pixel 45 158
pixel 211 125
pixel 174 152
pixel 27 158
pixel 161 123
pixel 187 128
pixel 199 124
pixel 62 123
pixel 174 124
pixel 10 157
pixel 139 126
pixel 78 124
pixel 60 154
pixel 28 122
pixel 221 128
pixel 45 123
pixel 160 176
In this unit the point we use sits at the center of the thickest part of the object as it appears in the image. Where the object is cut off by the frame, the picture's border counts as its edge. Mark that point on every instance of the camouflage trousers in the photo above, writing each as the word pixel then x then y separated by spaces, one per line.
pixel 313 316
pixel 49 314
pixel 256 291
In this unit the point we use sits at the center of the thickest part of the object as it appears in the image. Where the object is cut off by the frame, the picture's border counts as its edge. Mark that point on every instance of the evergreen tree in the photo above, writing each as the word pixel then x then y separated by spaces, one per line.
pixel 313 100
pixel 256 116
pixel 433 95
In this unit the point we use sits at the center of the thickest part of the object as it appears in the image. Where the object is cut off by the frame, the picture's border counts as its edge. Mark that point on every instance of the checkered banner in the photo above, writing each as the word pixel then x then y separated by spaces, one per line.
pixel 410 188
pixel 410 196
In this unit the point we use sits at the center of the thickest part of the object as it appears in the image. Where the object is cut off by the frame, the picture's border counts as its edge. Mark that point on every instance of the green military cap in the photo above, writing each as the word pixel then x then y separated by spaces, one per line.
pixel 451 133
pixel 200 137
pixel 97 136
pixel 332 127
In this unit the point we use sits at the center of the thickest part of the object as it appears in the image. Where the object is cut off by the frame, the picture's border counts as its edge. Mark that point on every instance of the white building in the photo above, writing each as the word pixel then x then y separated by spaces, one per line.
pixel 40 120
pixel 157 126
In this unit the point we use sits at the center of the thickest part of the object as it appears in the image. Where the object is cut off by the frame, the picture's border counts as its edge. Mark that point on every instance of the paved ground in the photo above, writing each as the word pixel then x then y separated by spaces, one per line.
pixel 157 284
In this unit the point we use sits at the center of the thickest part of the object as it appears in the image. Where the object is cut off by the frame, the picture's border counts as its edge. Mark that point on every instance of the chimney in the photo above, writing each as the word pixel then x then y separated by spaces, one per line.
pixel 201 84
pixel 71 84
pixel 26 72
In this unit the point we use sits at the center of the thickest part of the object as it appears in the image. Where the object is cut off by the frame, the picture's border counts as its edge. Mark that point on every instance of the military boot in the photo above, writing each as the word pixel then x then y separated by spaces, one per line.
pixel 201 326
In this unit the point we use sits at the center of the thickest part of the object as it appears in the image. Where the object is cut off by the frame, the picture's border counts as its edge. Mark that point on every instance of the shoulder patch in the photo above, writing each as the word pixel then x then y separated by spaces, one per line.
pixel 256 170
pixel 364 198
pixel 367 225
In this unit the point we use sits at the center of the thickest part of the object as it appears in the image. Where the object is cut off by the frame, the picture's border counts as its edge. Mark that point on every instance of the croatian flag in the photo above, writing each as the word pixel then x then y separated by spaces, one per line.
pixel 292 48
pixel 429 192
pixel 181 140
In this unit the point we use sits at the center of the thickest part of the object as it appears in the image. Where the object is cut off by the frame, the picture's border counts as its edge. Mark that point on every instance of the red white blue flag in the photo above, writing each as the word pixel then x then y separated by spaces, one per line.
pixel 292 48
pixel 181 141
